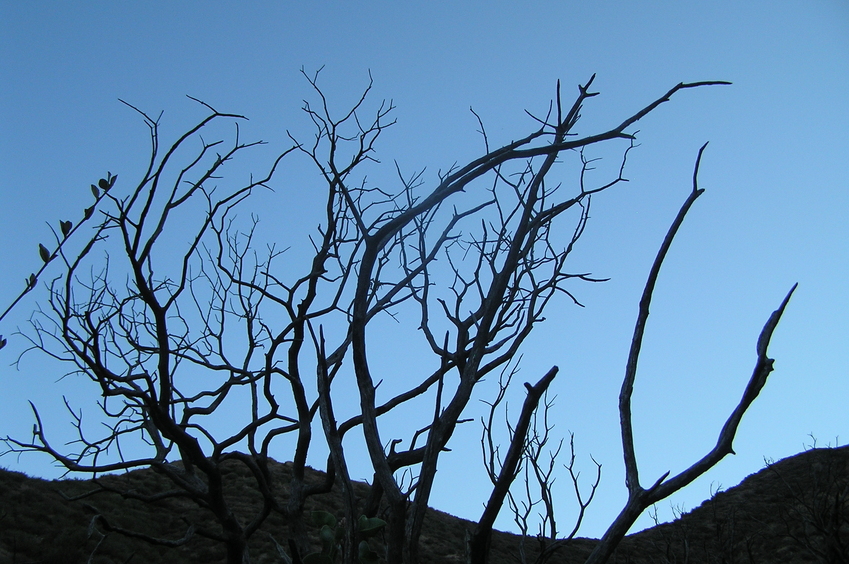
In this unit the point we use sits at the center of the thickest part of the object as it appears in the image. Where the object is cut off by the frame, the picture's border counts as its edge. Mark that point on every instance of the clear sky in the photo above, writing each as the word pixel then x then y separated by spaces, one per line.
pixel 773 213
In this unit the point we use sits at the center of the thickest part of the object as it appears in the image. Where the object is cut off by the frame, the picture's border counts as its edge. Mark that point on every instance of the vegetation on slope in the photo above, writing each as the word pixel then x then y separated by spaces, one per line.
pixel 796 510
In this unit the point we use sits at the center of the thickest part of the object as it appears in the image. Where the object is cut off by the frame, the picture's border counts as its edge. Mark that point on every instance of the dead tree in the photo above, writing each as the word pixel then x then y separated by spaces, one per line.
pixel 146 320
pixel 187 318
pixel 640 498
pixel 529 456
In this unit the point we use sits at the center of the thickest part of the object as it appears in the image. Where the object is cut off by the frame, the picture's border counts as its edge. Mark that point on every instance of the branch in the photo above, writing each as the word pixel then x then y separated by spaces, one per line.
pixel 638 497
pixel 136 535
pixel 632 479
pixel 479 543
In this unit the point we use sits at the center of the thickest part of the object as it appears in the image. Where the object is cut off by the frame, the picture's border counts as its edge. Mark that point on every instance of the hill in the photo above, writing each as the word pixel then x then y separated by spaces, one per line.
pixel 795 510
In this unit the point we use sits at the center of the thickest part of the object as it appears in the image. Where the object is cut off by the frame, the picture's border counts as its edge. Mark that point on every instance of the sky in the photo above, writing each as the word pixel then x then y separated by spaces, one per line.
pixel 773 213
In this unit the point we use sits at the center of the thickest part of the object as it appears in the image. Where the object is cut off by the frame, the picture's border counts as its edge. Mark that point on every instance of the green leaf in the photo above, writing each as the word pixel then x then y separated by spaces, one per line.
pixel 2 342
pixel 370 526
pixel 65 226
pixel 104 184
pixel 112 179
pixel 88 212
pixel 95 191
pixel 366 555
pixel 320 518
pixel 327 536
pixel 43 252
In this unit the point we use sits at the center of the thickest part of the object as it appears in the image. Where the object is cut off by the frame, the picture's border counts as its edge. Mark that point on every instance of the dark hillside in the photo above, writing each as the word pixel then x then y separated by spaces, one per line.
pixel 796 510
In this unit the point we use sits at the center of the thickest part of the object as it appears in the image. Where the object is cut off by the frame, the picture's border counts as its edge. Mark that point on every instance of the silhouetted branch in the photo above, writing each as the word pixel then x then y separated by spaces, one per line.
pixel 640 498
pixel 479 544
pixel 110 528
pixel 207 350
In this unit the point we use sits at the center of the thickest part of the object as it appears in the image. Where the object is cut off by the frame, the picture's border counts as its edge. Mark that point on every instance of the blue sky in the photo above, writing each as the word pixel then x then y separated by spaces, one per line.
pixel 773 213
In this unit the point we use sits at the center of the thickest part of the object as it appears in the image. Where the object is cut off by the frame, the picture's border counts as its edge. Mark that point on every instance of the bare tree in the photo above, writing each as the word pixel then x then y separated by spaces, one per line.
pixel 639 498
pixel 175 329
pixel 529 456
pixel 140 341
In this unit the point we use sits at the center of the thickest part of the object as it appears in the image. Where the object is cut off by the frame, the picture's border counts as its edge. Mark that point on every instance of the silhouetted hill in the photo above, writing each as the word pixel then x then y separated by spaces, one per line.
pixel 796 510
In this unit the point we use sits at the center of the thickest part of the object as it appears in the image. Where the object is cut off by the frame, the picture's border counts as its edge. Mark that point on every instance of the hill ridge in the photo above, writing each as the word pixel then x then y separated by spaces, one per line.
pixel 793 510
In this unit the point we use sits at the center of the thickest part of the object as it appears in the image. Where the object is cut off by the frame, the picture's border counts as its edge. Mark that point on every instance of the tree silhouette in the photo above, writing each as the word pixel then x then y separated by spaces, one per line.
pixel 208 347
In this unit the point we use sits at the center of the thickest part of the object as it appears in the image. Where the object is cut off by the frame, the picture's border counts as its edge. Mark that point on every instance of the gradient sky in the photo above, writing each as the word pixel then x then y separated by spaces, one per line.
pixel 773 214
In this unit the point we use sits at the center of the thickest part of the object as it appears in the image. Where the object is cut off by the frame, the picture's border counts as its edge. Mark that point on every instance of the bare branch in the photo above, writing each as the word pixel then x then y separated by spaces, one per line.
pixel 640 498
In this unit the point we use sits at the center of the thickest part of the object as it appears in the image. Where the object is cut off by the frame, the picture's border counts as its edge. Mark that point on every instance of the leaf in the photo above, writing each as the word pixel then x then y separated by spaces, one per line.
pixel 31 281
pixel 370 526
pixel 88 211
pixel 43 252
pixel 112 179
pixel 95 191
pixel 326 536
pixel 2 342
pixel 66 227
pixel 366 555
pixel 104 184
pixel 320 518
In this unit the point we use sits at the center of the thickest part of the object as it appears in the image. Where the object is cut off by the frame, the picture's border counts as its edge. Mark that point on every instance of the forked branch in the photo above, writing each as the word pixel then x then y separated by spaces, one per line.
pixel 479 543
pixel 640 498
